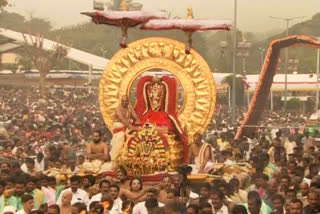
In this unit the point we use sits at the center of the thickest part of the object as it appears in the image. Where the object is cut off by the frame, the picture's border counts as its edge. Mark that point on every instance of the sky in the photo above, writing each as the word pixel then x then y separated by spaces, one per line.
pixel 253 15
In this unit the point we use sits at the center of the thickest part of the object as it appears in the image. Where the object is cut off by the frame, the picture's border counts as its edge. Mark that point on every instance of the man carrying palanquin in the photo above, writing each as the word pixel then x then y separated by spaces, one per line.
pixel 200 156
pixel 125 118
pixel 98 159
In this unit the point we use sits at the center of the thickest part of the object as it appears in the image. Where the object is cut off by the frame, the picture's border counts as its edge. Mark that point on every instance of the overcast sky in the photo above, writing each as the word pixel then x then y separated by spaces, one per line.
pixel 253 15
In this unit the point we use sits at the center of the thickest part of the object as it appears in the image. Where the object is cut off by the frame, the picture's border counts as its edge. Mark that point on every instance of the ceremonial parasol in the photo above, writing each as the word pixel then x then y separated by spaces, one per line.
pixel 124 19
pixel 188 25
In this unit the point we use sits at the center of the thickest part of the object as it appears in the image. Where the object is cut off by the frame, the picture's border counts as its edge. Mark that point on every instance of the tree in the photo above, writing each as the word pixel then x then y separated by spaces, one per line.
pixel 42 60
pixel 39 25
pixel 239 88
pixel 24 63
pixel 3 4
pixel 17 22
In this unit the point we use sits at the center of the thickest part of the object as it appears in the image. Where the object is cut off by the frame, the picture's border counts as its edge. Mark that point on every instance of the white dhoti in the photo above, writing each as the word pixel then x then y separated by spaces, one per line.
pixel 208 167
pixel 117 139
pixel 200 159
pixel 97 166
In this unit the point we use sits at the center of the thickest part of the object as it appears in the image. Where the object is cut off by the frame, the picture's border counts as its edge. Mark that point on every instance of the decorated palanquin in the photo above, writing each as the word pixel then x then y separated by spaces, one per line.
pixel 161 141
pixel 160 144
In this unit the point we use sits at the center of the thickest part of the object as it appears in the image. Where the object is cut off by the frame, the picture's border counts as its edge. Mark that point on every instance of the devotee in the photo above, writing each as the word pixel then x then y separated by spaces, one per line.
pixel 29 167
pixel 27 204
pixel 239 209
pixel 125 118
pixel 254 203
pixel 78 208
pixel 54 209
pixel 65 206
pixel 135 192
pixel 104 187
pixel 141 207
pixel 278 204
pixel 97 155
pixel 165 185
pixel 19 191
pixel 9 210
pixel 78 195
pixel 237 195
pixel 216 199
pixel 296 206
pixel 192 209
pixel 74 116
pixel 5 200
pixel 200 156
pixel 122 179
pixel 37 194
pixel 117 202
pixel 314 203
pixel 304 190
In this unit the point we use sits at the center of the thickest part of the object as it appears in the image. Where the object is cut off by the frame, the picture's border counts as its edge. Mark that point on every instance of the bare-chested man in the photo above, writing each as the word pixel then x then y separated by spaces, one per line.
pixel 200 156
pixel 125 118
pixel 97 155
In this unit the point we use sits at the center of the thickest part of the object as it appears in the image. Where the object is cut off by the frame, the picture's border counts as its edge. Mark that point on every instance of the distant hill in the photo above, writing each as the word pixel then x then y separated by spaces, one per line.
pixel 306 55
pixel 103 40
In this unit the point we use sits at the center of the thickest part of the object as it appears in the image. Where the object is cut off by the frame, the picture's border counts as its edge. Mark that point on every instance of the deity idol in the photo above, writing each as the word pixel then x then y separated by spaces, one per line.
pixel 157 104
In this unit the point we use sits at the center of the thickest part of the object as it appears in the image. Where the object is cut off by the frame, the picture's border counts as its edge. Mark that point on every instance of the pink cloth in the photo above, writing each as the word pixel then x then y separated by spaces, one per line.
pixel 51 197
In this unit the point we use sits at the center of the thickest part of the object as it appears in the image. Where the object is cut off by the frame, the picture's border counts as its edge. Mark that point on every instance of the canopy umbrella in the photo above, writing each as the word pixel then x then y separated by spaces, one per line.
pixel 189 25
pixel 124 19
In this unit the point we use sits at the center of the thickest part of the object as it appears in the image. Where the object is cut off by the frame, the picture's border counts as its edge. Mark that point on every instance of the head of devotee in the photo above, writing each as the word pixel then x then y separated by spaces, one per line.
pixel 296 206
pixel 66 198
pixel 122 174
pixel 124 101
pixel 75 182
pixel 136 184
pixel 96 137
pixel 254 202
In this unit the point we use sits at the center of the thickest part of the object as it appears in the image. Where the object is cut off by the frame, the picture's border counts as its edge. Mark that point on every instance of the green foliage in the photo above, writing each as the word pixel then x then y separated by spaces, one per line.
pixel 103 40
pixel 16 22
pixel 3 4
pixel 239 88
pixel 24 63
pixel 294 104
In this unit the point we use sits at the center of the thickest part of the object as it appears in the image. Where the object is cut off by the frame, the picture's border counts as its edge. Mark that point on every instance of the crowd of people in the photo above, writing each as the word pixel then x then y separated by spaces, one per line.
pixel 43 150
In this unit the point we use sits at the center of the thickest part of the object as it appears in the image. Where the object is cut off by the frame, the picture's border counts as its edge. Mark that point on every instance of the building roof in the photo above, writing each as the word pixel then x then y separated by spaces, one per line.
pixel 295 82
pixel 83 57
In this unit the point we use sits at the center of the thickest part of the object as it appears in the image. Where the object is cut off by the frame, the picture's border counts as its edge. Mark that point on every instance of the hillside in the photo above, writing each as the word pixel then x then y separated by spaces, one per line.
pixel 104 41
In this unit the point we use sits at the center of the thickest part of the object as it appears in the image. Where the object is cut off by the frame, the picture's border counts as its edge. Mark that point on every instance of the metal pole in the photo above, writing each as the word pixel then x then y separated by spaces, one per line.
pixel 262 57
pixel 234 64
pixel 248 98
pixel 317 92
pixel 245 77
pixel 286 74
pixel 286 60
pixel 244 66
pixel 90 78
pixel 271 100
pixel 229 96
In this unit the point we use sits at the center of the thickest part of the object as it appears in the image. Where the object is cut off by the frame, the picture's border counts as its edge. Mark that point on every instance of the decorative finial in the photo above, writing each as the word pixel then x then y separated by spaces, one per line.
pixel 124 5
pixel 155 78
pixel 190 13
